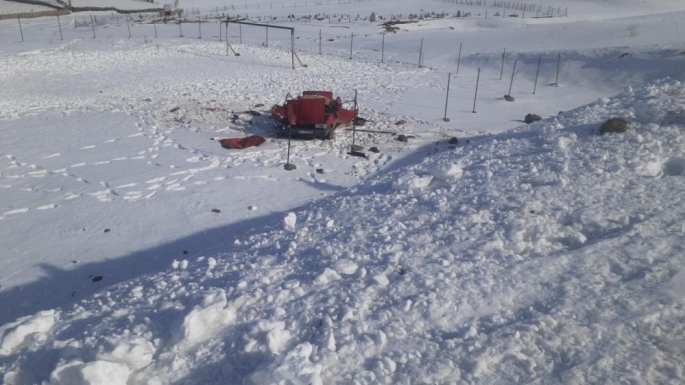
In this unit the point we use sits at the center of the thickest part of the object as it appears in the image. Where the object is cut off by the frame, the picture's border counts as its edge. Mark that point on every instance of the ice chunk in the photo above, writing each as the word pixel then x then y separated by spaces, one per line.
pixel 327 276
pixel 290 221
pixel 447 171
pixel 277 339
pixel 17 333
pixel 136 353
pixel 205 320
pixel 345 266
pixel 412 182
pixel 93 373
pixel 104 373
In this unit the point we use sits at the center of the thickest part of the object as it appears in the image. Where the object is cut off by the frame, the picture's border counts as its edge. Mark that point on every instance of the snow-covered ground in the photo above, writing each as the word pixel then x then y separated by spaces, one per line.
pixel 11 7
pixel 546 254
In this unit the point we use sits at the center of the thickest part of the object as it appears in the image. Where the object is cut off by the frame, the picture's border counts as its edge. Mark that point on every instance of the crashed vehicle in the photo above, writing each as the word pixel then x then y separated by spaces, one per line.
pixel 315 114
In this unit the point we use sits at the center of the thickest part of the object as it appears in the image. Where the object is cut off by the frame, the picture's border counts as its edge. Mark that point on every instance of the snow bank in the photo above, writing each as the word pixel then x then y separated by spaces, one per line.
pixel 543 255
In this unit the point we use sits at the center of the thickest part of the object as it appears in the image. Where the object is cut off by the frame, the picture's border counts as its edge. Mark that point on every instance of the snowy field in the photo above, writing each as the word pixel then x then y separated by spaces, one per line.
pixel 138 251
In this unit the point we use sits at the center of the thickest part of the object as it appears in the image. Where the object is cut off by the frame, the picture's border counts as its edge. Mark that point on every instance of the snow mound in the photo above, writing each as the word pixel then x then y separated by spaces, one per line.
pixel 206 319
pixel 555 256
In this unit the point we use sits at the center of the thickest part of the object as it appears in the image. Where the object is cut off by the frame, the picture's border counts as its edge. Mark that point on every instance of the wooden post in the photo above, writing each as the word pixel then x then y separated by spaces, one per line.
pixel 240 32
pixel 128 26
pixel 383 49
pixel 459 59
pixel 512 77
pixel 288 166
pixel 220 37
pixel 558 66
pixel 60 28
pixel 501 73
pixel 476 95
pixel 319 42
pixel 154 24
pixel 21 31
pixel 447 98
pixel 292 46
pixel 199 24
pixel 351 44
pixel 267 37
pixel 92 24
pixel 226 37
pixel 420 52
pixel 180 29
pixel 536 75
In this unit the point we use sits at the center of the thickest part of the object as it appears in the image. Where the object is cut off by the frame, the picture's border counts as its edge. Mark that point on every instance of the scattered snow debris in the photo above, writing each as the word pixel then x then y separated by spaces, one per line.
pixel 184 264
pixel 412 182
pixel 26 330
pixel 290 221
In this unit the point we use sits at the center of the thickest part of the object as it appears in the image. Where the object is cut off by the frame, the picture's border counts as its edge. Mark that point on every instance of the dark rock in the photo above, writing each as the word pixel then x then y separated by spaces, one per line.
pixel 402 138
pixel 530 118
pixel 623 55
pixel 289 167
pixel 400 122
pixel 174 109
pixel 454 140
pixel 374 150
pixel 614 125
pixel 185 252
pixel 97 278
pixel 216 211
pixel 509 98
pixel 107 230
pixel 319 171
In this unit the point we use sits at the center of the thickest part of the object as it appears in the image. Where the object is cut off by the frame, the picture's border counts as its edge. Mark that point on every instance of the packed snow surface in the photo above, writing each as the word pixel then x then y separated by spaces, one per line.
pixel 548 254
pixel 136 250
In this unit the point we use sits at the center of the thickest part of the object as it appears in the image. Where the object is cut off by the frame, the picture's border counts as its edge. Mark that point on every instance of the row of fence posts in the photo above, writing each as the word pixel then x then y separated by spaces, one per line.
pixel 508 96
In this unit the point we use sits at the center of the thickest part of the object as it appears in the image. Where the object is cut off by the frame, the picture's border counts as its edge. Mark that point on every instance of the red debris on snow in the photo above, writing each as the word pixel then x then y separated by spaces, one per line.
pixel 240 143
